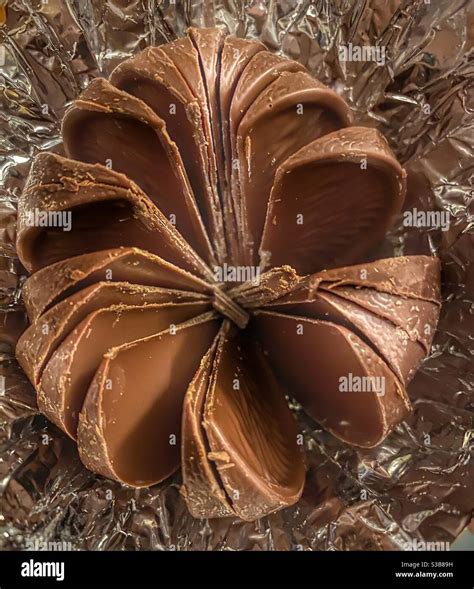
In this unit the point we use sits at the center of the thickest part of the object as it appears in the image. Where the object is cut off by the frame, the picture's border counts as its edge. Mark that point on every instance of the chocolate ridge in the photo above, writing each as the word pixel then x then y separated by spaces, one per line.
pixel 65 377
pixel 45 287
pixel 74 194
pixel 154 67
pixel 40 340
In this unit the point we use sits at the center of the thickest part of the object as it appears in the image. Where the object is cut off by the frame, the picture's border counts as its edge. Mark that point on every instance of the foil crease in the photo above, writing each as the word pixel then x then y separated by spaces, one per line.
pixel 416 486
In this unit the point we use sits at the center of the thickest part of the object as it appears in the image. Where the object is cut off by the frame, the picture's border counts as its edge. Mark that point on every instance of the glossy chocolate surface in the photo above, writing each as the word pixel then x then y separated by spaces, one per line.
pixel 148 343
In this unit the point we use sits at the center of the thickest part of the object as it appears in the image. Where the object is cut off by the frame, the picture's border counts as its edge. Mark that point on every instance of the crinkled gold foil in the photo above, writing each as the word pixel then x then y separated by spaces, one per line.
pixel 417 486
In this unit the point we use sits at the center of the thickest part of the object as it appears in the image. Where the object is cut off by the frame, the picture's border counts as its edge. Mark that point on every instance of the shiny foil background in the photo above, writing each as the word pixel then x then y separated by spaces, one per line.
pixel 419 484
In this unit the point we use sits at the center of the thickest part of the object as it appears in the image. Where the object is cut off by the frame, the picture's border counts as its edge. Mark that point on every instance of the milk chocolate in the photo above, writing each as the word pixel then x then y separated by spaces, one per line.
pixel 68 373
pixel 107 210
pixel 332 201
pixel 106 125
pixel 154 78
pixel 39 341
pixel 418 318
pixel 390 341
pixel 184 56
pixel 201 488
pixel 320 362
pixel 236 54
pixel 248 437
pixel 208 44
pixel 272 285
pixel 50 285
pixel 415 277
pixel 260 71
pixel 204 151
pixel 400 329
pixel 289 114
pixel 136 438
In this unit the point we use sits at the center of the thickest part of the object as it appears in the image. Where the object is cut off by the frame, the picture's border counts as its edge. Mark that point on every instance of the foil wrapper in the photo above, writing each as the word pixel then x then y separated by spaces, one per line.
pixel 414 488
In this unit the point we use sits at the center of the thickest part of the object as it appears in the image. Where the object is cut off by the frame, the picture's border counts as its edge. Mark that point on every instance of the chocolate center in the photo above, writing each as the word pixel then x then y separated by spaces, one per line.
pixel 227 306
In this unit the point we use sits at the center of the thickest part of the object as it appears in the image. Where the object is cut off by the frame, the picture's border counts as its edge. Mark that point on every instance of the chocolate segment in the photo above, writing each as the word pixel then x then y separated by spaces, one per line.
pixel 191 58
pixel 129 428
pixel 332 201
pixel 208 44
pixel 108 126
pixel 290 113
pixel 152 77
pixel 391 342
pixel 201 276
pixel 407 276
pixel 259 72
pixel 236 54
pixel 250 437
pixel 202 488
pixel 71 368
pixel 62 279
pixel 184 57
pixel 339 380
pixel 251 433
pixel 400 329
pixel 417 318
pixel 104 209
pixel 40 340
